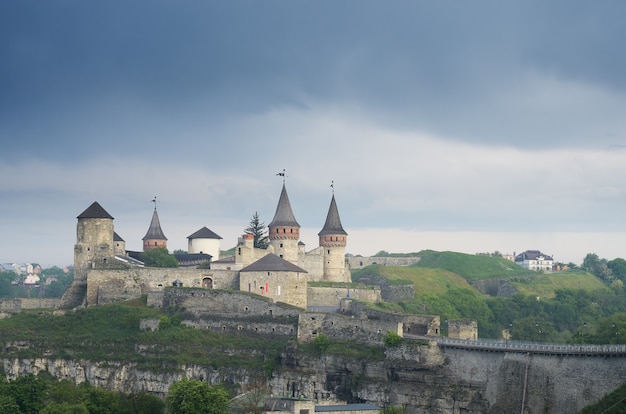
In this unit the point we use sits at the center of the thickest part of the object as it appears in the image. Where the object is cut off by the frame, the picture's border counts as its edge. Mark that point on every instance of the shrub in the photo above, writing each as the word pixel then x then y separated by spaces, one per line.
pixel 392 339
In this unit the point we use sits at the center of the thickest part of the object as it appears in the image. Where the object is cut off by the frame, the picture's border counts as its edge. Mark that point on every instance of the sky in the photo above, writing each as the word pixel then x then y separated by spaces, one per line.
pixel 473 127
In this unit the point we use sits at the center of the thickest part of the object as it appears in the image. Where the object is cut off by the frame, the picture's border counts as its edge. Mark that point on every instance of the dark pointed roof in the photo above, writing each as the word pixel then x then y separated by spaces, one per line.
pixel 333 222
pixel 95 210
pixel 155 232
pixel 204 233
pixel 272 263
pixel 116 237
pixel 284 215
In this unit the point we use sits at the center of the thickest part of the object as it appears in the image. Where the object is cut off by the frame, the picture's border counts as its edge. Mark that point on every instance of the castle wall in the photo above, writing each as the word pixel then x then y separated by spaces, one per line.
pixel 241 325
pixel 427 325
pixel 311 324
pixel 313 262
pixel 358 262
pixel 16 305
pixel 332 296
pixel 463 329
pixel 225 303
pixel 108 286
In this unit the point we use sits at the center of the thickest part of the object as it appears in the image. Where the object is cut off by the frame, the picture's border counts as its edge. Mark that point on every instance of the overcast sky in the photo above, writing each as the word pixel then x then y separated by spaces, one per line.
pixel 465 126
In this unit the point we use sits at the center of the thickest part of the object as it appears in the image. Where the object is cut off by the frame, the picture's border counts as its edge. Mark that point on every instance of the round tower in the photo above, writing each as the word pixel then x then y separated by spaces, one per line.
pixel 284 230
pixel 94 240
pixel 333 239
pixel 154 237
pixel 204 241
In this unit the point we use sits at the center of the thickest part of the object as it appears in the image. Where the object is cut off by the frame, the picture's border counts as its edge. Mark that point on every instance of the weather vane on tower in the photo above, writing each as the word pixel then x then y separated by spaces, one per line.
pixel 154 200
pixel 282 174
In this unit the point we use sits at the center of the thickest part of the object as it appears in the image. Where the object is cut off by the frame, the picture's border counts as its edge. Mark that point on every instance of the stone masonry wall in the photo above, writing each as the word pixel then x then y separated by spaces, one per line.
pixel 311 324
pixel 108 286
pixel 358 262
pixel 332 296
pixel 16 305
pixel 225 303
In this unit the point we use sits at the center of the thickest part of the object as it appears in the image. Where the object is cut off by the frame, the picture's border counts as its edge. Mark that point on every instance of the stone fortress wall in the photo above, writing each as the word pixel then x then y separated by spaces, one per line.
pixel 16 305
pixel 359 262
pixel 231 311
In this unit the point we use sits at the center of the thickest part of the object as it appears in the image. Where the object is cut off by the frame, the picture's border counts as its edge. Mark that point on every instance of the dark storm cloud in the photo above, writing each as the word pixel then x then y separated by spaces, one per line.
pixel 72 70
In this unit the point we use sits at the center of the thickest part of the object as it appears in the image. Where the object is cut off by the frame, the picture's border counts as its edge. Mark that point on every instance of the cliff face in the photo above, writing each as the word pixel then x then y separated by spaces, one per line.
pixel 422 377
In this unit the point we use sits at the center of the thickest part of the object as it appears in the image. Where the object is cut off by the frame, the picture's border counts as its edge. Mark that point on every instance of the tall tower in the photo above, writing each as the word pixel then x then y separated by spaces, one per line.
pixel 284 230
pixel 94 240
pixel 154 237
pixel 94 247
pixel 333 239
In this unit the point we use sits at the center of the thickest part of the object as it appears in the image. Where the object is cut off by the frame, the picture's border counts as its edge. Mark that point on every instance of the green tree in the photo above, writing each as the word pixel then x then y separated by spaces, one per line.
pixel 258 229
pixel 64 408
pixel 618 267
pixel 6 287
pixel 141 403
pixel 190 396
pixel 27 391
pixel 158 257
pixel 591 262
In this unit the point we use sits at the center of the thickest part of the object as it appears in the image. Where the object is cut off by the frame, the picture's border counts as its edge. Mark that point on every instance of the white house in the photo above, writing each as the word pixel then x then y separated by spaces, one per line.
pixel 535 260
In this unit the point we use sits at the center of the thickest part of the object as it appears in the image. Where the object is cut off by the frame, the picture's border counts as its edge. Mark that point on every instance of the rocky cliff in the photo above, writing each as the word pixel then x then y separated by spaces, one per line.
pixel 416 374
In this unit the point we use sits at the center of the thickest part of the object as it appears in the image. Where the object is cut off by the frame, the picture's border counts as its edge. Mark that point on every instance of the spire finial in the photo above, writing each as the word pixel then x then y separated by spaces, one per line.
pixel 154 200
pixel 332 185
pixel 282 174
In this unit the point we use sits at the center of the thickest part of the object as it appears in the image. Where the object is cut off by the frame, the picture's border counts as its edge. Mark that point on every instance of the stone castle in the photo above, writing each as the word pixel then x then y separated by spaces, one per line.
pixel 283 279
pixel 106 272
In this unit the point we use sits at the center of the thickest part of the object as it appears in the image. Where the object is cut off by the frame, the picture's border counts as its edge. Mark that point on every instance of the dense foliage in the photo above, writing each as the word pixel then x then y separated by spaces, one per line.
pixel 613 403
pixel 45 395
pixel 158 257
pixel 190 396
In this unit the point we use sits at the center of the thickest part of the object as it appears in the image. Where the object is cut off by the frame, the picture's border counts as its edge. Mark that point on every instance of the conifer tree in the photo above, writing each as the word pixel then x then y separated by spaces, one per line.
pixel 259 230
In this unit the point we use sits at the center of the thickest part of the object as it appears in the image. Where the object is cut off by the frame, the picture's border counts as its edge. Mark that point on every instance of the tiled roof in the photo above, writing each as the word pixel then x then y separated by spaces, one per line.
pixel 284 215
pixel 333 222
pixel 272 263
pixel 204 233
pixel 95 210
pixel 116 237
pixel 227 259
pixel 531 255
pixel 154 231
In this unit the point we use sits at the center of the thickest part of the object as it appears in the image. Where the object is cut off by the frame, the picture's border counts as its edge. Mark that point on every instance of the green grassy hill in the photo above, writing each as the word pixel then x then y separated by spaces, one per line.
pixel 470 266
pixel 558 302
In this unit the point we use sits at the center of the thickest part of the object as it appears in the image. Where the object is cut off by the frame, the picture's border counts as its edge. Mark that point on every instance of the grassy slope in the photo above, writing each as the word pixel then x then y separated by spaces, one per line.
pixel 436 281
pixel 544 285
pixel 469 266
pixel 438 272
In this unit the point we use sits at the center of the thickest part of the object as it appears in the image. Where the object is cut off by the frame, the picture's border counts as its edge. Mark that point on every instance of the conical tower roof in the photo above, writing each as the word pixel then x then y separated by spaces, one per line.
pixel 333 222
pixel 284 215
pixel 95 210
pixel 155 232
